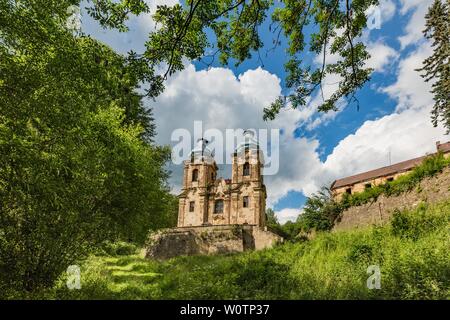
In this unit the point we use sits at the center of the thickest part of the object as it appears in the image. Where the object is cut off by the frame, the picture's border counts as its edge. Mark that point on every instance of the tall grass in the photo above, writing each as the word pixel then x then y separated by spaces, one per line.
pixel 412 252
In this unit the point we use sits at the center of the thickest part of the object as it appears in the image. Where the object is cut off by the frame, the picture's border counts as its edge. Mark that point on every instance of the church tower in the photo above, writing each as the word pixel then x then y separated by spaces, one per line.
pixel 206 200
pixel 248 189
pixel 199 172
pixel 218 215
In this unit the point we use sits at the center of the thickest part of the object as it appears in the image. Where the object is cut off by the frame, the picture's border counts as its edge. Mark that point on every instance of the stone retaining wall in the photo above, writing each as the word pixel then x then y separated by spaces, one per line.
pixel 208 240
pixel 430 190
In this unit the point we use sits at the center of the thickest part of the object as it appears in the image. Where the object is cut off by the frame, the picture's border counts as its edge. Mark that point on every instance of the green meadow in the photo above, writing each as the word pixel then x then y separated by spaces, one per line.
pixel 412 253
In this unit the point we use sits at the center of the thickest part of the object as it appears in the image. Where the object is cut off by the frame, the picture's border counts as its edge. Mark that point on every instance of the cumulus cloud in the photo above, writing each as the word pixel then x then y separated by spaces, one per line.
pixel 387 8
pixel 287 214
pixel 381 56
pixel 410 90
pixel 396 137
pixel 221 100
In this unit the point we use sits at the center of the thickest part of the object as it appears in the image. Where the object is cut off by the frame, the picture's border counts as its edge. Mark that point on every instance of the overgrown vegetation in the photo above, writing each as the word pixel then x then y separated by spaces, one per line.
pixel 321 210
pixel 412 252
pixel 428 168
pixel 78 165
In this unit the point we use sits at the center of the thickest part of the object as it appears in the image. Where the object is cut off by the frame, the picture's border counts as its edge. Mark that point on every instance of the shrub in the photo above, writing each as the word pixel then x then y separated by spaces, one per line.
pixel 119 248
pixel 76 168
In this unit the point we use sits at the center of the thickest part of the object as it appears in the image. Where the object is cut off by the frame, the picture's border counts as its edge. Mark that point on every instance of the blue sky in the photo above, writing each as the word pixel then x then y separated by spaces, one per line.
pixel 315 149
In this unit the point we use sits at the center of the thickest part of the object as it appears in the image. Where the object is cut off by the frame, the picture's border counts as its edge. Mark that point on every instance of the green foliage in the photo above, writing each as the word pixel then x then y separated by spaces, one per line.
pixel 273 224
pixel 77 162
pixel 428 168
pixel 118 248
pixel 414 225
pixel 436 68
pixel 320 212
pixel 289 230
pixel 235 27
pixel 331 266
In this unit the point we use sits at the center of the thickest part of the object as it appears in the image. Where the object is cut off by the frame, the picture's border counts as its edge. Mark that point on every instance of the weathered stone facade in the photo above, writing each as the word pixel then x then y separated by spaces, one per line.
pixel 205 200
pixel 208 240
pixel 218 215
pixel 430 190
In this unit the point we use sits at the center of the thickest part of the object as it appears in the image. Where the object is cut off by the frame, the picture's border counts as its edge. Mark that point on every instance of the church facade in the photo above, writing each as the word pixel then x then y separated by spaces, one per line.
pixel 217 215
pixel 207 200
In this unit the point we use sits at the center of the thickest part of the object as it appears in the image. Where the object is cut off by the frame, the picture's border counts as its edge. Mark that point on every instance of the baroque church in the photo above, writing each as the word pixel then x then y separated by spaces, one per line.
pixel 208 200
pixel 217 215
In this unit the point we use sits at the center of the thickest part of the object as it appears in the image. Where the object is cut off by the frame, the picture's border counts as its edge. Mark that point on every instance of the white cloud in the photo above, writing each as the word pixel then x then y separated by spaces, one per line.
pixel 381 56
pixel 410 90
pixel 287 214
pixel 404 135
pixel 222 100
pixel 413 30
pixel 387 8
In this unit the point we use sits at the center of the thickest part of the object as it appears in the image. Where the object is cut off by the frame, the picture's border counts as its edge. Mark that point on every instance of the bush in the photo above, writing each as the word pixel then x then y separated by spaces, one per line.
pixel 119 248
pixel 77 166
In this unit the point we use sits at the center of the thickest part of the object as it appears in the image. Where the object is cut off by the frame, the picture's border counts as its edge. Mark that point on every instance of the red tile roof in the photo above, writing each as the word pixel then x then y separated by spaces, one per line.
pixel 377 173
pixel 387 171
pixel 443 147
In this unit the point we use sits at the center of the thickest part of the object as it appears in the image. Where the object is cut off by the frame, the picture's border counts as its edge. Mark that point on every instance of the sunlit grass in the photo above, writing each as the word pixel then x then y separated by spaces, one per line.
pixel 413 253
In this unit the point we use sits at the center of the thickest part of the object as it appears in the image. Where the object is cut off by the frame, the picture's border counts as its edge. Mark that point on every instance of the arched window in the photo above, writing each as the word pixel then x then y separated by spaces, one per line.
pixel 195 175
pixel 245 202
pixel 246 171
pixel 218 206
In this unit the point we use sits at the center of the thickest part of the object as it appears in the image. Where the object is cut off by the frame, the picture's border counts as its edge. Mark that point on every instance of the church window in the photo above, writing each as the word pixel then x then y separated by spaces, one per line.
pixel 245 202
pixel 191 206
pixel 195 175
pixel 218 206
pixel 348 190
pixel 246 169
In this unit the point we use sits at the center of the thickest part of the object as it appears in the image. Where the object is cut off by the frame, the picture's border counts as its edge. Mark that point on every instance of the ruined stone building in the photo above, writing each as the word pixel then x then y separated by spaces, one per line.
pixel 218 215
pixel 362 181
pixel 208 200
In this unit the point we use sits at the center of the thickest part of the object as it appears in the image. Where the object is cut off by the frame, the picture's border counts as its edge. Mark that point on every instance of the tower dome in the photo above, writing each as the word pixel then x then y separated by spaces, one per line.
pixel 251 144
pixel 201 153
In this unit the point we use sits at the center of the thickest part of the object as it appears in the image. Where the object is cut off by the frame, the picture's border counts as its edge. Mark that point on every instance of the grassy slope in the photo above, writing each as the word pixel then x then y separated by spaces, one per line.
pixel 413 253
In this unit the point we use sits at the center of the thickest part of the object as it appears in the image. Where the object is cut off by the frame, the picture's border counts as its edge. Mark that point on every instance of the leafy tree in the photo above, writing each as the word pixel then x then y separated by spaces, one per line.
pixel 77 162
pixel 271 218
pixel 320 212
pixel 273 224
pixel 336 26
pixel 289 230
pixel 436 68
